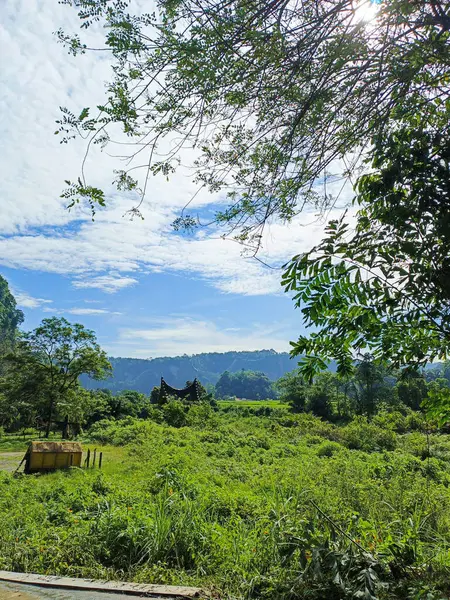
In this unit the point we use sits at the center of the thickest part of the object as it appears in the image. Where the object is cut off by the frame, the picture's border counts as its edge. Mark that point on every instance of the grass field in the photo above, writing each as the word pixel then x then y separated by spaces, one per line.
pixel 257 507
pixel 251 403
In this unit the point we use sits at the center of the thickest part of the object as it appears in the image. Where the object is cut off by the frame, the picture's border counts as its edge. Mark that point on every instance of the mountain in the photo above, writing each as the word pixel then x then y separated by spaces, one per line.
pixel 143 374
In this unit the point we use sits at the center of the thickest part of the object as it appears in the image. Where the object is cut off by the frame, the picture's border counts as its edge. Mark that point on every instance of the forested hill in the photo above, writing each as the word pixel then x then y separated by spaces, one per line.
pixel 141 375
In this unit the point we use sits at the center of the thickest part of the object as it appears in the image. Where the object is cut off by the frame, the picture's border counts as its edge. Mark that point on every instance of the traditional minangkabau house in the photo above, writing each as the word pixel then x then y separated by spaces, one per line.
pixel 190 393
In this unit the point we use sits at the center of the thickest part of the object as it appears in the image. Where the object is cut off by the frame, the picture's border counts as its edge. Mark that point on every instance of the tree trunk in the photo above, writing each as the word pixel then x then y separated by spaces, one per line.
pixel 49 421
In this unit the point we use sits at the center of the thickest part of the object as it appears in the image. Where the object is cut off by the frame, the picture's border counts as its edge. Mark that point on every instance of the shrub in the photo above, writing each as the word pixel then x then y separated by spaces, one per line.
pixel 175 413
pixel 154 413
pixel 328 448
pixel 120 433
pixel 362 435
pixel 201 415
pixel 391 420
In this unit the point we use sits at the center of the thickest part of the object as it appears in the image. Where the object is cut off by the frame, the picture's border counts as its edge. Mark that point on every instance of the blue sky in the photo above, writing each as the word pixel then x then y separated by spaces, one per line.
pixel 144 289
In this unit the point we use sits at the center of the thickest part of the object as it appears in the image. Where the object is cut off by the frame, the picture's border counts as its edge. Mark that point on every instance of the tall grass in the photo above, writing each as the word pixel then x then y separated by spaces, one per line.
pixel 268 508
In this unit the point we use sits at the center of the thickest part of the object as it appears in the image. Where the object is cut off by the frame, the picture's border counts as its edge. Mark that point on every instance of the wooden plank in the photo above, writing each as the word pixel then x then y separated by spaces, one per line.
pixel 91 585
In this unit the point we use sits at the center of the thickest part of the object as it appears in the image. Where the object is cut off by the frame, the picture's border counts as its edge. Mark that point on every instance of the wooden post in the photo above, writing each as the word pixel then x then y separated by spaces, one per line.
pixel 88 458
pixel 95 456
pixel 100 460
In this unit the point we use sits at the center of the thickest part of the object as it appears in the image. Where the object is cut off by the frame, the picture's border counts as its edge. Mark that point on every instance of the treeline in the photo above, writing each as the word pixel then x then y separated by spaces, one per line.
pixel 372 387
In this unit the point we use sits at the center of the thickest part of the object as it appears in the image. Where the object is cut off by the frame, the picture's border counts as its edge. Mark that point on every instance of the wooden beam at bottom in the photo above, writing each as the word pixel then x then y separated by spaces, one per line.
pixel 145 590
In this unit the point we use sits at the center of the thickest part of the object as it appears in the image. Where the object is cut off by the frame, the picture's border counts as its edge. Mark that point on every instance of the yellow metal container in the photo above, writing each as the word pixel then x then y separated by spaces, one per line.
pixel 49 456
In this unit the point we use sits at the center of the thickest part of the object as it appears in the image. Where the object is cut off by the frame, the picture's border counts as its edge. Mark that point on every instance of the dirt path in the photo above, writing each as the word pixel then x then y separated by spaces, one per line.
pixel 7 592
pixel 16 591
pixel 9 461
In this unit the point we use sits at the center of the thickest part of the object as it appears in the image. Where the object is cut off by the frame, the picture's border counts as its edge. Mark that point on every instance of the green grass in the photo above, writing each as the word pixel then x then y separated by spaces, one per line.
pixel 16 442
pixel 252 403
pixel 232 505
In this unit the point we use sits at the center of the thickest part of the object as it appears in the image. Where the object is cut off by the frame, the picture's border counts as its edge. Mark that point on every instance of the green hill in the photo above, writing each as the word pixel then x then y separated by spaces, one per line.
pixel 141 375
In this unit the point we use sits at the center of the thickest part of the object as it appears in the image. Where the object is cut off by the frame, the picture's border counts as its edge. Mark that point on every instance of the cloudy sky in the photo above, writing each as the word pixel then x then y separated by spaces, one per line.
pixel 146 290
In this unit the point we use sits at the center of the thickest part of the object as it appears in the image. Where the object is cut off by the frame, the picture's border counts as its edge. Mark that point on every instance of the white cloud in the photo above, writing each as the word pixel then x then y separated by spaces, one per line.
pixel 80 311
pixel 89 311
pixel 36 230
pixel 107 283
pixel 24 300
pixel 170 337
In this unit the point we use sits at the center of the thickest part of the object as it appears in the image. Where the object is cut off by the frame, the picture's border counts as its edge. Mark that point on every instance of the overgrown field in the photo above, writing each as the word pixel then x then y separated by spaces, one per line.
pixel 277 507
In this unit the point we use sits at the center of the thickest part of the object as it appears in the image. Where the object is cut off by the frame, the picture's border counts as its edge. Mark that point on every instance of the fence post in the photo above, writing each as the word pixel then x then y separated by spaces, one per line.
pixel 100 460
pixel 88 458
pixel 95 456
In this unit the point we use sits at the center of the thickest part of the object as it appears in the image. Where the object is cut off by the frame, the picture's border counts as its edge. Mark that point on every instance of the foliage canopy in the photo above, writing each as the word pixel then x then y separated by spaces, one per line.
pixel 42 374
pixel 10 317
pixel 384 286
pixel 269 94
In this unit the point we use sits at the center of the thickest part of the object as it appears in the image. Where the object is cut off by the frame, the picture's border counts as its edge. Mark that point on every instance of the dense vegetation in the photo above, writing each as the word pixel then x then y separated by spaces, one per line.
pixel 245 384
pixel 40 375
pixel 279 507
pixel 339 488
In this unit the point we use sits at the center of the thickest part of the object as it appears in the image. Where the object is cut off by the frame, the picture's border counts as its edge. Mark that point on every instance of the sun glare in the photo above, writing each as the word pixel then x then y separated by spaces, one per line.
pixel 365 11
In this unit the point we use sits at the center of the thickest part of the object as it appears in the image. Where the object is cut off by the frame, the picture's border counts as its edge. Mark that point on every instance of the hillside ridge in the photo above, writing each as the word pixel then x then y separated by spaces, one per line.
pixel 143 374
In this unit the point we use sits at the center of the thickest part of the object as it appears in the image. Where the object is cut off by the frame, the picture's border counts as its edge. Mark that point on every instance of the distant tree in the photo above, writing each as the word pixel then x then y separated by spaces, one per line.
pixel 369 386
pixel 293 390
pixel 411 389
pixel 10 318
pixel 44 370
pixel 154 394
pixel 99 406
pixel 321 395
pixel 252 385
pixel 129 403
pixel 224 385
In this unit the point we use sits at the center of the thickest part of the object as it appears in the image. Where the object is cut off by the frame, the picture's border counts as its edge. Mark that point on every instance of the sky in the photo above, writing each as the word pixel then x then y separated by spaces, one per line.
pixel 145 289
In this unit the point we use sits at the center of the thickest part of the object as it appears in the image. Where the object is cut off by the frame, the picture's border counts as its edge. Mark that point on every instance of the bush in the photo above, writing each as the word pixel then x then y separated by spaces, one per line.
pixel 328 448
pixel 201 415
pixel 154 413
pixel 120 433
pixel 175 413
pixel 390 420
pixel 362 435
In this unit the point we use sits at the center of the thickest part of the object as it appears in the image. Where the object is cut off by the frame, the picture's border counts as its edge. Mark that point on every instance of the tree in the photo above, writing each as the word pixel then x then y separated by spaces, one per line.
pixel 128 403
pixel 44 370
pixel 293 390
pixel 252 385
pixel 224 385
pixel 369 386
pixel 322 394
pixel 385 286
pixel 412 390
pixel 269 94
pixel 10 317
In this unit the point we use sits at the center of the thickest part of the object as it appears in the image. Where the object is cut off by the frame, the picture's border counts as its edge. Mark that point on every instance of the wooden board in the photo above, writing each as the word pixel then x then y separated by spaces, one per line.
pixel 145 590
